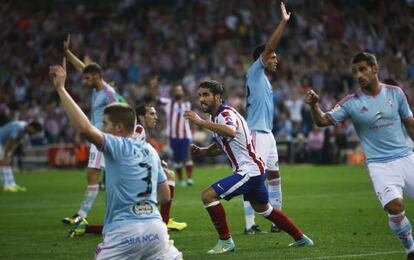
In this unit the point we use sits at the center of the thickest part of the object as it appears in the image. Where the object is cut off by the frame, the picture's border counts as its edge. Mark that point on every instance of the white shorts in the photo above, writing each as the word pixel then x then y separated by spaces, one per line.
pixel 393 179
pixel 96 158
pixel 144 240
pixel 265 146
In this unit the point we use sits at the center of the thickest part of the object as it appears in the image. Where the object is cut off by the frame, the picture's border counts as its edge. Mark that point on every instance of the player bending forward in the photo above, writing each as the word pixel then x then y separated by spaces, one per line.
pixel 232 137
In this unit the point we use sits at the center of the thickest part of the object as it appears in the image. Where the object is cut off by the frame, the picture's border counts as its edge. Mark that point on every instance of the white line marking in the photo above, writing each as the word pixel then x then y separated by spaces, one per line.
pixel 349 256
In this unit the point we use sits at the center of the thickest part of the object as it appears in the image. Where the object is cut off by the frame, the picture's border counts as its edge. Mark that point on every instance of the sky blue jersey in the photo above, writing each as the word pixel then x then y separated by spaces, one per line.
pixel 100 99
pixel 378 121
pixel 260 107
pixel 11 130
pixel 133 171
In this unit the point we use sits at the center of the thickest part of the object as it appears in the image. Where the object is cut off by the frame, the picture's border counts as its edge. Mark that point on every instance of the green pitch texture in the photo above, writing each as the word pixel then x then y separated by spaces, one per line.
pixel 333 205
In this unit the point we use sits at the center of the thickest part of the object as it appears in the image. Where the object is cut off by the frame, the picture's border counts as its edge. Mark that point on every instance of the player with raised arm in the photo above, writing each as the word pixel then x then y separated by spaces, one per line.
pixel 232 137
pixel 102 95
pixel 178 129
pixel 146 119
pixel 11 135
pixel 379 112
pixel 133 226
pixel 260 112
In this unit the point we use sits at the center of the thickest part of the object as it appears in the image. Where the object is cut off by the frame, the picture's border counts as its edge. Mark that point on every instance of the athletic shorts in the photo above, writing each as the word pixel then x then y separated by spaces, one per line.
pixel 252 188
pixel 96 158
pixel 144 240
pixel 265 146
pixel 180 149
pixel 393 179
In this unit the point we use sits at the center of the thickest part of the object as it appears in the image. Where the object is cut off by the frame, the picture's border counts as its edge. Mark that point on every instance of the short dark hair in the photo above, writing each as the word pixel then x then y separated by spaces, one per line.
pixel 36 126
pixel 121 113
pixel 258 50
pixel 214 86
pixel 364 56
pixel 93 68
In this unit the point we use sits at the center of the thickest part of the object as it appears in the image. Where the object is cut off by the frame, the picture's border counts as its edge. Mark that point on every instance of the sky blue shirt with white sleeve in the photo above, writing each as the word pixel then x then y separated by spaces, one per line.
pixel 378 121
pixel 133 171
pixel 260 107
pixel 11 130
pixel 100 99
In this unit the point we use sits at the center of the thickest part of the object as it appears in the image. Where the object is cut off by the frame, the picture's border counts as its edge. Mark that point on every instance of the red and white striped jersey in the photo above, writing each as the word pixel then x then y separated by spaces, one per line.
pixel 239 149
pixel 177 126
pixel 140 132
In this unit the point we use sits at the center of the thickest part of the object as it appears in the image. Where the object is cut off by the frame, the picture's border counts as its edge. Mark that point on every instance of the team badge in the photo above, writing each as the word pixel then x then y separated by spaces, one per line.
pixel 142 208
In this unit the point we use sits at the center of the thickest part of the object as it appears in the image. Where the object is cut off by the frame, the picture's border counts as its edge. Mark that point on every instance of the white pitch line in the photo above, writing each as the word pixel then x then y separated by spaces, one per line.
pixel 350 256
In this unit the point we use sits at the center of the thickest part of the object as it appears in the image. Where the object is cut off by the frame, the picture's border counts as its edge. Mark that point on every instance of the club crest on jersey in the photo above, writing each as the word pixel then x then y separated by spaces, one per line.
pixel 142 208
pixel 390 102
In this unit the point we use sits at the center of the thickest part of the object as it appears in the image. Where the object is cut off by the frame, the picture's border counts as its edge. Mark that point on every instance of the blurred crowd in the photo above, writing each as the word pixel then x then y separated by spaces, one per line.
pixel 190 40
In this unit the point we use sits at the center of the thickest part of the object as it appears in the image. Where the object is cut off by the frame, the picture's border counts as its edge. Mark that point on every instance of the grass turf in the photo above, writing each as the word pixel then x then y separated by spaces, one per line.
pixel 334 205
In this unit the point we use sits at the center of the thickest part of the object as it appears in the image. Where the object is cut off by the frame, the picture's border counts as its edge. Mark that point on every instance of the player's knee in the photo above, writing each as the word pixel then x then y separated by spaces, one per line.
pixel 93 176
pixel 395 206
pixel 272 175
pixel 207 196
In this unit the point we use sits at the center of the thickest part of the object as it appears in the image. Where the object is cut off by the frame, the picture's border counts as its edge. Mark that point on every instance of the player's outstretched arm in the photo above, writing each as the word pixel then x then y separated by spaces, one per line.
pixel 409 126
pixel 277 34
pixel 76 116
pixel 154 88
pixel 212 150
pixel 220 129
pixel 76 62
pixel 319 117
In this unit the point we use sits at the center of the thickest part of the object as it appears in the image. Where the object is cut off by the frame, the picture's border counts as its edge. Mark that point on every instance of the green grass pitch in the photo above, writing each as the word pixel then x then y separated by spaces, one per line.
pixel 334 205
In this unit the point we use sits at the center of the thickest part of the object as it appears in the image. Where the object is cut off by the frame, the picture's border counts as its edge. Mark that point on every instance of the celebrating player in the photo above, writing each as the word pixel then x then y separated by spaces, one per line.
pixel 102 95
pixel 133 226
pixel 260 111
pixel 11 135
pixel 232 137
pixel 378 112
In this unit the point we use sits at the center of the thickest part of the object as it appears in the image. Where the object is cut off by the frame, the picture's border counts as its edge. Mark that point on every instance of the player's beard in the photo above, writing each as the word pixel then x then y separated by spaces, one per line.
pixel 206 108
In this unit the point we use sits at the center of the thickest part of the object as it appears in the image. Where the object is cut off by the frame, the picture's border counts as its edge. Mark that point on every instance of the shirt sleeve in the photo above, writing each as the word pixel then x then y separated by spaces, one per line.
pixel 403 107
pixel 164 100
pixel 112 145
pixel 228 118
pixel 338 113
pixel 256 68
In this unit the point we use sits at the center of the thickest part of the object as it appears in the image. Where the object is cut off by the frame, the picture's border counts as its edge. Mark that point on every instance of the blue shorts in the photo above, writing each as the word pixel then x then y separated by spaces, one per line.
pixel 180 149
pixel 252 188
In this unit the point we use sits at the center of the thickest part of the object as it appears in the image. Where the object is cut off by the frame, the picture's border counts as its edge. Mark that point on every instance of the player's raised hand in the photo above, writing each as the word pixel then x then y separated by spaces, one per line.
pixel 311 98
pixel 284 14
pixel 66 43
pixel 58 74
pixel 193 117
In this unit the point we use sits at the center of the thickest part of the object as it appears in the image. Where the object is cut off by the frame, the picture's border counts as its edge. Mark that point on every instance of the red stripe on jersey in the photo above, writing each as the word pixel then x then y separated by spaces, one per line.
pixel 171 117
pixel 185 123
pixel 252 154
pixel 346 98
pixel 231 154
pixel 177 126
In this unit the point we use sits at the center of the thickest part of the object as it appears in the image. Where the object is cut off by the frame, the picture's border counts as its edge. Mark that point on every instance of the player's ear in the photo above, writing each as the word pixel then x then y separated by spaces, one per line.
pixel 375 68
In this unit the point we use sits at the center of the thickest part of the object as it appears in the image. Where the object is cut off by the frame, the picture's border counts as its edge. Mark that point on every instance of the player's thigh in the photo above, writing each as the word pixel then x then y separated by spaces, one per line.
pixel 231 186
pixel 408 165
pixel 257 193
pixel 265 146
pixel 96 158
pixel 145 240
pixel 387 181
